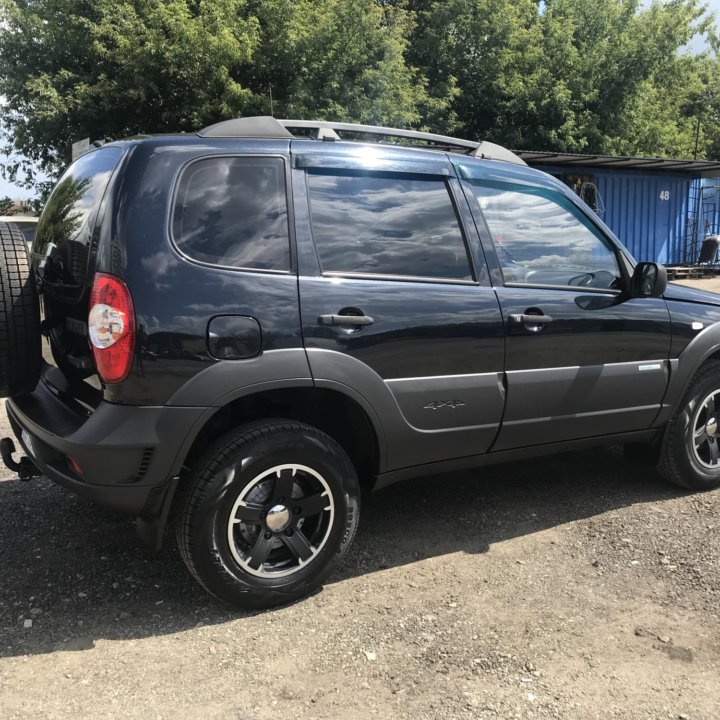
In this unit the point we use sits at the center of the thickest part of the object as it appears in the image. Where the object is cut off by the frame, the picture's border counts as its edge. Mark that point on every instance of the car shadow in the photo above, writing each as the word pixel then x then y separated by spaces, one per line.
pixel 80 574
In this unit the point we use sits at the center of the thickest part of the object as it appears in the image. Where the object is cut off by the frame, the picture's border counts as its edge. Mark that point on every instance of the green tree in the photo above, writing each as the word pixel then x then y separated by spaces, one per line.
pixel 482 53
pixel 341 60
pixel 5 204
pixel 94 68
pixel 112 68
pixel 572 75
pixel 611 67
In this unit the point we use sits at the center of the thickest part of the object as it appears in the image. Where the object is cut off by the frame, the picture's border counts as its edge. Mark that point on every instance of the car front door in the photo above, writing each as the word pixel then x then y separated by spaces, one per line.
pixel 583 358
pixel 397 307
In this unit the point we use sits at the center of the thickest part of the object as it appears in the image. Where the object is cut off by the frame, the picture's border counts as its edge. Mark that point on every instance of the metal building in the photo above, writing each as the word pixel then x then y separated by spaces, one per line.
pixel 660 209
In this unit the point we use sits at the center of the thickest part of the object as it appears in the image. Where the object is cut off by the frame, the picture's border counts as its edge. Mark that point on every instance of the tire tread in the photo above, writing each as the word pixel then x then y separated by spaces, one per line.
pixel 673 449
pixel 20 350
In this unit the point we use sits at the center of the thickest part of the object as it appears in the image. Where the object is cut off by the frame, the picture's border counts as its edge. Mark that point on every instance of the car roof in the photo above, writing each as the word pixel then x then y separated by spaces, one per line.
pixel 497 169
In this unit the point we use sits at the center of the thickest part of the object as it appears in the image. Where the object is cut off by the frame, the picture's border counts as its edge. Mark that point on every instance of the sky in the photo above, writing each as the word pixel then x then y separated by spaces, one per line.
pixel 17 193
pixel 714 6
pixel 7 189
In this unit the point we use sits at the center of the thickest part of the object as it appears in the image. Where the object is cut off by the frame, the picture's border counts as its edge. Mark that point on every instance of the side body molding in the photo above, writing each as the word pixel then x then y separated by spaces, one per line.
pixel 401 443
pixel 700 348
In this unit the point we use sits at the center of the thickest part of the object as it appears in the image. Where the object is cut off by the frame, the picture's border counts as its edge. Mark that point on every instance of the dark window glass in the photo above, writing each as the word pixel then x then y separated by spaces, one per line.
pixel 540 242
pixel 68 220
pixel 232 211
pixel 387 226
pixel 75 199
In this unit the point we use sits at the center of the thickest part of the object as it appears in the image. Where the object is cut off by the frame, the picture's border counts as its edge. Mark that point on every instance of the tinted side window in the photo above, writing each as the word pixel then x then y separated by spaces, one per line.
pixel 386 226
pixel 232 211
pixel 540 242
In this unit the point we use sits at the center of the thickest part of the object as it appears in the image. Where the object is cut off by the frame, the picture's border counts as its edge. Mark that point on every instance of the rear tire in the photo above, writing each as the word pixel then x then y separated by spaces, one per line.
pixel 690 454
pixel 20 350
pixel 267 513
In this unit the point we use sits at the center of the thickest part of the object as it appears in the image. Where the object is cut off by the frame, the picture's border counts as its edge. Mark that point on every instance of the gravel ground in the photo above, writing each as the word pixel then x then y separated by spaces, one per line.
pixel 576 587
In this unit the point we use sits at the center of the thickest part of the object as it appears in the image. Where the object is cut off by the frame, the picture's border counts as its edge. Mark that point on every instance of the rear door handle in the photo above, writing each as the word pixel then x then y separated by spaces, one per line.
pixel 524 319
pixel 356 320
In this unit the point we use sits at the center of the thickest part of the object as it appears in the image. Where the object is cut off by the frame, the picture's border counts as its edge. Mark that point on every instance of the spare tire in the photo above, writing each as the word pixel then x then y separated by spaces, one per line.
pixel 20 350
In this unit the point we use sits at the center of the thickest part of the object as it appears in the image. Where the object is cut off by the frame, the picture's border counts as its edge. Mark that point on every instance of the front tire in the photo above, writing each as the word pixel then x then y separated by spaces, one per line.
pixel 268 513
pixel 690 454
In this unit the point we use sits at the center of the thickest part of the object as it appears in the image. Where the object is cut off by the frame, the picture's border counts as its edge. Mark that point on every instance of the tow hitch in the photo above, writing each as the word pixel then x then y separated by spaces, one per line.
pixel 25 469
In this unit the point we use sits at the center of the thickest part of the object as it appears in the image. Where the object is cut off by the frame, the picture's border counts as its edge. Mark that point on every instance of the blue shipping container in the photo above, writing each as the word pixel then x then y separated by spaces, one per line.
pixel 647 211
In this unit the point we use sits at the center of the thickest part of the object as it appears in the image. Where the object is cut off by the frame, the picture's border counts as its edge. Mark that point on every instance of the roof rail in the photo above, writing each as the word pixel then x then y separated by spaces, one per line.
pixel 269 127
pixel 328 131
pixel 322 126
pixel 262 126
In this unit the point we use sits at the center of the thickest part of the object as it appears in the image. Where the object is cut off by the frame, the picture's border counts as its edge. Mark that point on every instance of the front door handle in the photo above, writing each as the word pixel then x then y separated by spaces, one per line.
pixel 529 319
pixel 356 320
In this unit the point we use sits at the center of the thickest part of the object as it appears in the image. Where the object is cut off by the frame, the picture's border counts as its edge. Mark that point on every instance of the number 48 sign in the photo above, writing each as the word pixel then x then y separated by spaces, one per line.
pixel 664 194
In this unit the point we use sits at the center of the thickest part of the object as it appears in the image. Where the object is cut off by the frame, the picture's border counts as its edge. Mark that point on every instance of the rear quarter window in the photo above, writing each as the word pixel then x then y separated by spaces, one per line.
pixel 232 211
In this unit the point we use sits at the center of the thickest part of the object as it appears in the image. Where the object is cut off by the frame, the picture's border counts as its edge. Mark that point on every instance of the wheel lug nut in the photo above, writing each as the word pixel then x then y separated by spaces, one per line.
pixel 263 515
pixel 296 510
pixel 288 532
pixel 268 534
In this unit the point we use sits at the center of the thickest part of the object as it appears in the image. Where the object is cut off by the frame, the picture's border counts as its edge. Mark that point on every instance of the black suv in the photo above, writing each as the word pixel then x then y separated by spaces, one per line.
pixel 239 329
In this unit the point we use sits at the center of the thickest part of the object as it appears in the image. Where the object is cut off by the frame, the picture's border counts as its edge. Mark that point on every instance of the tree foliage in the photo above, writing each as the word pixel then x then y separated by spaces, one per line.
pixel 572 75
pixel 5 204
pixel 576 75
pixel 94 68
pixel 340 60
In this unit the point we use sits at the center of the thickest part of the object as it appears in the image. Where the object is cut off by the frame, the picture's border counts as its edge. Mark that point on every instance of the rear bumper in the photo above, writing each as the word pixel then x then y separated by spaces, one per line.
pixel 127 454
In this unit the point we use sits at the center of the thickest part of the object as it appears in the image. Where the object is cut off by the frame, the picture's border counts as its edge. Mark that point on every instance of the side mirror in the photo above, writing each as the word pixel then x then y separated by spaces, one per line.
pixel 648 280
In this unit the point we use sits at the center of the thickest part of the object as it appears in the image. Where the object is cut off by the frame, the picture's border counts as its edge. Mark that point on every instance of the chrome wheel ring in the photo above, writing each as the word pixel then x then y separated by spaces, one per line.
pixel 704 441
pixel 280 520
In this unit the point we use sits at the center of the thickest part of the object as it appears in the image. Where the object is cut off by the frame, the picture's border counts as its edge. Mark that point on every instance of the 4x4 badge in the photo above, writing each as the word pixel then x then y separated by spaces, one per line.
pixel 437 404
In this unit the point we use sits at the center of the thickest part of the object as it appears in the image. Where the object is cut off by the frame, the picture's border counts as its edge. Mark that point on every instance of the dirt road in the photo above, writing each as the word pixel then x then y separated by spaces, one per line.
pixel 572 587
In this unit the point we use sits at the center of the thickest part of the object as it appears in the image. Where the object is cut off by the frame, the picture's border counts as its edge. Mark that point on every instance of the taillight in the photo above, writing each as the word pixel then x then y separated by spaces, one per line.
pixel 111 327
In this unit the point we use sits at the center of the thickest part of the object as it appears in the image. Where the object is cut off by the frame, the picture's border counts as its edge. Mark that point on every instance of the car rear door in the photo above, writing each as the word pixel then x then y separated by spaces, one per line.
pixel 65 250
pixel 583 358
pixel 397 308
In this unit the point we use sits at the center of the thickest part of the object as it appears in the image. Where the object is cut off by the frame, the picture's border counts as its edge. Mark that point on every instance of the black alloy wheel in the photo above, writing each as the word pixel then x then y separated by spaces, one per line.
pixel 281 519
pixel 267 513
pixel 690 452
